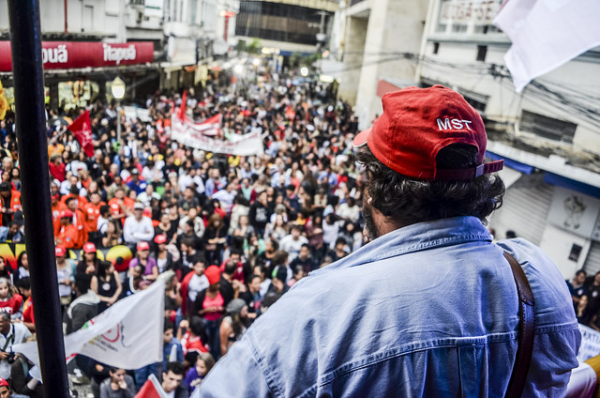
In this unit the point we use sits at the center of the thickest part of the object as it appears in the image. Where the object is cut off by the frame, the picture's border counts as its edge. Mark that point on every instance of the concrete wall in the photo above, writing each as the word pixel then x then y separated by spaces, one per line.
pixel 350 71
pixel 395 26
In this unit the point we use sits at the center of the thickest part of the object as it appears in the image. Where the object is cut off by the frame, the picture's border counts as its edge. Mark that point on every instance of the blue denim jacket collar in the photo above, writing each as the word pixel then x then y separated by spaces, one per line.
pixel 413 238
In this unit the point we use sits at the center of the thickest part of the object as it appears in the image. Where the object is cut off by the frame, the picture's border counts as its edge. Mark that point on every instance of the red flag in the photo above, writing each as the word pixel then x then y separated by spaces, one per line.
pixel 152 389
pixel 82 129
pixel 183 106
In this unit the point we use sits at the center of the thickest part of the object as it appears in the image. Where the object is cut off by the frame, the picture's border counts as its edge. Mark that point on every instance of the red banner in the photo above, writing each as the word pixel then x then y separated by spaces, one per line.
pixel 69 55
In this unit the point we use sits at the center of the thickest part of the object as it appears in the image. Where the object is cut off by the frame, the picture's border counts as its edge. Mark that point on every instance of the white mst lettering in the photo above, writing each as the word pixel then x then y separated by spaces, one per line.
pixel 457 124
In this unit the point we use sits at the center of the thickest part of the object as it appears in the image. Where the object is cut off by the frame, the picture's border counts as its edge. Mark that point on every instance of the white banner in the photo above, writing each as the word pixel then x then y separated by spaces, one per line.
pixel 243 145
pixel 211 126
pixel 133 113
pixel 127 335
pixel 590 343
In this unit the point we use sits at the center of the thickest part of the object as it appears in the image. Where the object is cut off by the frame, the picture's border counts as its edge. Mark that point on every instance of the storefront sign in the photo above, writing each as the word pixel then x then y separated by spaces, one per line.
pixel 468 11
pixel 70 55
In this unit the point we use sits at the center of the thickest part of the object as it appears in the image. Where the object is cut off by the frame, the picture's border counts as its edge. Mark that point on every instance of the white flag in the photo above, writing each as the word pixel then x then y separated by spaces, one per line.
pixel 127 335
pixel 546 34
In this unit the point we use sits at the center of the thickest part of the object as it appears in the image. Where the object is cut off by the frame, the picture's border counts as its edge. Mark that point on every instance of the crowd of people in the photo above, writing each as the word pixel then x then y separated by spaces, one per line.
pixel 230 234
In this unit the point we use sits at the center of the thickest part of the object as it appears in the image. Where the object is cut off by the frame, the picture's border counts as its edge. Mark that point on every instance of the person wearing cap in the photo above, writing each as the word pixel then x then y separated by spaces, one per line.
pixel 10 203
pixel 142 257
pixel 65 275
pixel 90 263
pixel 136 183
pixel 138 228
pixel 428 308
pixel 6 391
pixel 68 235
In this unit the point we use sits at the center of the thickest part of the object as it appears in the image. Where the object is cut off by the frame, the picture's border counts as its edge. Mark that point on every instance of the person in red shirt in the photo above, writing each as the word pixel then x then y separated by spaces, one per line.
pixel 57 207
pixel 91 212
pixel 68 236
pixel 10 300
pixel 57 168
pixel 194 340
pixel 24 286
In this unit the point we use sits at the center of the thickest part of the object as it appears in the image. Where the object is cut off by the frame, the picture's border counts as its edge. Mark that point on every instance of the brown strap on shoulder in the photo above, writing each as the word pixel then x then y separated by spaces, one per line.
pixel 526 330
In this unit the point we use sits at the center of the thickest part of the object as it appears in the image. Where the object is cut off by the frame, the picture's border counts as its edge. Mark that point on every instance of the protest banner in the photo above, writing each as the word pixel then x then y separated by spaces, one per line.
pixel 128 335
pixel 243 145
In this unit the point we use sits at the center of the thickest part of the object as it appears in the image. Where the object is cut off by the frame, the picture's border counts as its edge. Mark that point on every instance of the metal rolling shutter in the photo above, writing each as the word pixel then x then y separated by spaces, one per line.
pixel 525 208
pixel 592 261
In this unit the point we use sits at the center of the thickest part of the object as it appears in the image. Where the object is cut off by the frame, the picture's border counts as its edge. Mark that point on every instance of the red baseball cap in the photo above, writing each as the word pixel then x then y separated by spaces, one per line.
pixel 213 274
pixel 143 246
pixel 60 251
pixel 66 214
pixel 416 123
pixel 3 383
pixel 89 248
pixel 158 239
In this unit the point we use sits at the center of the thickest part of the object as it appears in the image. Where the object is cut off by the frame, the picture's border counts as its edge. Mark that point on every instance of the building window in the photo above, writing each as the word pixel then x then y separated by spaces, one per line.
pixel 481 53
pixel 547 127
pixel 478 105
pixel 436 48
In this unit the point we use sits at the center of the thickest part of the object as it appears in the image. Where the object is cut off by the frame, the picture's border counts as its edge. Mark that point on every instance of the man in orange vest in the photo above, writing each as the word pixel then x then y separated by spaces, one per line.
pixel 91 212
pixel 57 207
pixel 10 200
pixel 78 221
pixel 121 206
pixel 74 193
pixel 68 237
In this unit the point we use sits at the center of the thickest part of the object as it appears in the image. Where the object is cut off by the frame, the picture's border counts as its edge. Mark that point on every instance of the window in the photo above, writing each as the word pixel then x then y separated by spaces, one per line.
pixel 436 48
pixel 547 127
pixel 481 53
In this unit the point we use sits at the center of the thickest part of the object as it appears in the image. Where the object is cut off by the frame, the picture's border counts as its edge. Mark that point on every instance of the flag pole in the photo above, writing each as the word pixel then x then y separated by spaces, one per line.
pixel 25 34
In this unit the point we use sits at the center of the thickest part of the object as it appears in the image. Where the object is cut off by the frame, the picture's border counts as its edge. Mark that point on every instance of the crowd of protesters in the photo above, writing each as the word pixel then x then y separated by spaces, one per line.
pixel 230 234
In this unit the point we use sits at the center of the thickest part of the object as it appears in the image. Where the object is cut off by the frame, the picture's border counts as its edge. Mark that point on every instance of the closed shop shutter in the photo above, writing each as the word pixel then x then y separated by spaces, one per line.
pixel 525 209
pixel 592 261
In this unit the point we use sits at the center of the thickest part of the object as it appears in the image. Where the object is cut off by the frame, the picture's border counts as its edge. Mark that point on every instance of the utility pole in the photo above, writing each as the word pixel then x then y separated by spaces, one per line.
pixel 26 44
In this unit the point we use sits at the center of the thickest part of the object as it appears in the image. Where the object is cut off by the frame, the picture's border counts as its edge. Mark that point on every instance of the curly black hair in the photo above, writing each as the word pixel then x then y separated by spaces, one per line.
pixel 408 201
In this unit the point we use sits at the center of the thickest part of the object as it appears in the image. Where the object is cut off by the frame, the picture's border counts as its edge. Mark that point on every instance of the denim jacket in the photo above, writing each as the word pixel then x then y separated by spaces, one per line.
pixel 428 310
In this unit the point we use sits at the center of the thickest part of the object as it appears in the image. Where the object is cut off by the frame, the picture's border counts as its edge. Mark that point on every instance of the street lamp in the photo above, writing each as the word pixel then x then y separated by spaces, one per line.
pixel 304 71
pixel 118 91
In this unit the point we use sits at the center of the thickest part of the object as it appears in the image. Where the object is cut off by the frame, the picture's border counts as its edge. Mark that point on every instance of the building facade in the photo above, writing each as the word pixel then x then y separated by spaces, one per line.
pixel 548 134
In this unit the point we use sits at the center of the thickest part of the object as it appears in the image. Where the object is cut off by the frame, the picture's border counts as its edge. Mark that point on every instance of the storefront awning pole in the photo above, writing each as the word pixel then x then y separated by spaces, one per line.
pixel 26 35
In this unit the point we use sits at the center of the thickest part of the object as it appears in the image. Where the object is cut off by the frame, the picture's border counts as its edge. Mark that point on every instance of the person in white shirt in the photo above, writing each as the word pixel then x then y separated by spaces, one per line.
pixel 138 228
pixel 10 334
pixel 293 242
pixel 226 197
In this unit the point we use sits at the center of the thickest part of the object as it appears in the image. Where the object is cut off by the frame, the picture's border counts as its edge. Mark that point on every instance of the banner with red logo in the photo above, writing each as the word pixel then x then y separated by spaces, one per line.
pixel 70 55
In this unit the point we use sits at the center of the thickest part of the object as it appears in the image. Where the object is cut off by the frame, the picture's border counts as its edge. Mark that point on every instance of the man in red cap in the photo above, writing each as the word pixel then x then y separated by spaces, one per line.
pixel 431 307
pixel 68 236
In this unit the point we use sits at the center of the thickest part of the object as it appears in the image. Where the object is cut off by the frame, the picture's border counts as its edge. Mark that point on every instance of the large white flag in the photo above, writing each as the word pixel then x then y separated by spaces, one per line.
pixel 240 145
pixel 127 335
pixel 546 34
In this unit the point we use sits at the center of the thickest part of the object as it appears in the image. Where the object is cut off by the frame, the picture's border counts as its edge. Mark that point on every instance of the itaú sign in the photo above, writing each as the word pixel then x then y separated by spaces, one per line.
pixel 69 55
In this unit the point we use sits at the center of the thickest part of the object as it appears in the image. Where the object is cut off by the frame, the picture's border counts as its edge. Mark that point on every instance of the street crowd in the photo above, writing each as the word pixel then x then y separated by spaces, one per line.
pixel 230 234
